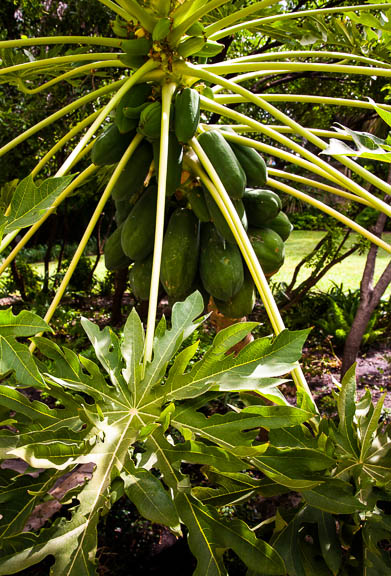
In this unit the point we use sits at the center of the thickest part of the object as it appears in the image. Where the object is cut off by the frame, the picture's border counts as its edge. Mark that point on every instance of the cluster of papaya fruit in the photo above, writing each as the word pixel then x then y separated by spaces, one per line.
pixel 199 249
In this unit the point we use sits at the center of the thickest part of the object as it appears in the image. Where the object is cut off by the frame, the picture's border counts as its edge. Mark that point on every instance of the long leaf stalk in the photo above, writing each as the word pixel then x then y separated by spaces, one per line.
pixel 238 15
pixel 344 180
pixel 242 128
pixel 89 229
pixel 359 170
pixel 306 54
pixel 47 63
pixel 78 181
pixel 168 90
pixel 181 29
pixel 138 75
pixel 317 184
pixel 310 98
pixel 48 40
pixel 116 9
pixel 331 212
pixel 68 136
pixel 81 70
pixel 289 16
pixel 228 68
pixel 225 205
pixel 60 113
pixel 146 20
pixel 273 151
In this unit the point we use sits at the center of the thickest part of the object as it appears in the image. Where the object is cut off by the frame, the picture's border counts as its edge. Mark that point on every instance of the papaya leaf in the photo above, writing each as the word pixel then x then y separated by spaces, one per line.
pixel 210 535
pixel 30 202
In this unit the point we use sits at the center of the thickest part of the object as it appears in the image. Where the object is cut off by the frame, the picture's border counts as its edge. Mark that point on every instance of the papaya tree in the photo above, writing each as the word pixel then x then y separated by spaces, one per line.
pixel 184 190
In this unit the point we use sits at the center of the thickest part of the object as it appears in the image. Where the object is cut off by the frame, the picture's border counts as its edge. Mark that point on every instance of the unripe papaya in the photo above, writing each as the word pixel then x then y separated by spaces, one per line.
pixel 282 225
pixel 122 209
pixel 242 303
pixel 224 161
pixel 115 259
pixel 252 163
pixel 180 253
pixel 136 52
pixel 161 30
pixel 174 163
pixel 110 146
pixel 131 179
pixel 140 278
pixel 209 49
pixel 138 230
pixel 198 204
pixel 221 267
pixel 150 121
pixel 135 97
pixel 190 46
pixel 218 219
pixel 268 247
pixel 187 114
pixel 261 206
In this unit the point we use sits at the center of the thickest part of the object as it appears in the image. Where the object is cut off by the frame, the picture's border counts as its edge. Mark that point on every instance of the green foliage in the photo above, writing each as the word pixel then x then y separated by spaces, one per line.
pixel 100 421
pixel 340 314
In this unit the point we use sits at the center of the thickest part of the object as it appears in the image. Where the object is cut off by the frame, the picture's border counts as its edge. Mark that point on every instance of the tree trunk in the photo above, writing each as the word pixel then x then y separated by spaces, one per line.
pixel 121 278
pixel 370 296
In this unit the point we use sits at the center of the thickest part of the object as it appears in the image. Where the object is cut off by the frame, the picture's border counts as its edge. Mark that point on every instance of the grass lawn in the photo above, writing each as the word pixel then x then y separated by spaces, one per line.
pixel 348 272
pixel 299 244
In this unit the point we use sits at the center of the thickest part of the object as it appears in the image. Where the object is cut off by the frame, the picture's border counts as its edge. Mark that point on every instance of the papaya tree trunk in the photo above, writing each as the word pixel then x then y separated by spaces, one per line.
pixel 121 278
pixel 370 296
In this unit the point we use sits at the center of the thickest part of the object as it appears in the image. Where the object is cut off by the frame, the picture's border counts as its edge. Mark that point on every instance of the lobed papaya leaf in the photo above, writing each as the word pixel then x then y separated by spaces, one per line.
pixel 30 201
pixel 210 535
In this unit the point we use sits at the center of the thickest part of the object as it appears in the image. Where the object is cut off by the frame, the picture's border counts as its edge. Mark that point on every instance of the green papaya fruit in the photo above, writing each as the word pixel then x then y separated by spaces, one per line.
pixel 136 51
pixel 131 179
pixel 197 203
pixel 242 303
pixel 268 247
pixel 218 219
pixel 174 163
pixel 110 146
pixel 187 114
pixel 221 267
pixel 224 161
pixel 150 121
pixel 122 209
pixel 282 225
pixel 190 46
pixel 180 253
pixel 209 49
pixel 115 259
pixel 140 278
pixel 252 163
pixel 135 97
pixel 161 30
pixel 138 230
pixel 261 206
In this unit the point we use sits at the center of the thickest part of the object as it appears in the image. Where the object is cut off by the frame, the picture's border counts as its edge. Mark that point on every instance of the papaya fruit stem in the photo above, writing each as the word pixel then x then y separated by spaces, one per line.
pixel 59 114
pixel 365 174
pixel 88 231
pixel 147 67
pixel 220 196
pixel 167 94
pixel 289 16
pixel 330 211
pixel 72 186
